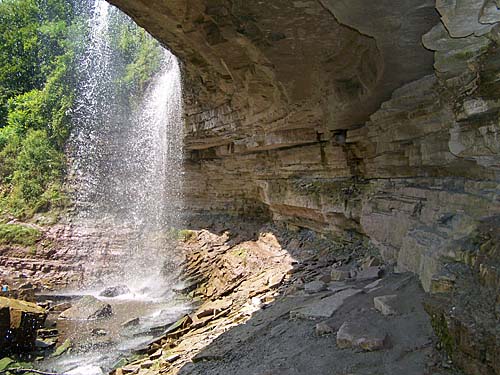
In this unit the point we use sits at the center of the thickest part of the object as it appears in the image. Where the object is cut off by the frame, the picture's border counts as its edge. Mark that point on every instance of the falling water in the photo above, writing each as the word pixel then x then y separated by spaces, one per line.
pixel 126 166
pixel 126 177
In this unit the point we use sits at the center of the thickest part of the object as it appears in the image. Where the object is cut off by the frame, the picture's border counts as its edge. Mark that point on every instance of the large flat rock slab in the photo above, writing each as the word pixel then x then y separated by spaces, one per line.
pixel 87 308
pixel 325 307
pixel 363 335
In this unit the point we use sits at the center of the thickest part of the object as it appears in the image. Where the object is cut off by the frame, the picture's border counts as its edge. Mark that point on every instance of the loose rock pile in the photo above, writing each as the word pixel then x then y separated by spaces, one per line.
pixel 264 308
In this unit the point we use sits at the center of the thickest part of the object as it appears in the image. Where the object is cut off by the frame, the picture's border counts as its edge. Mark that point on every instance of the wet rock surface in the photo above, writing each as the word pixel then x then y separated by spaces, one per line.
pixel 87 308
pixel 115 291
pixel 19 322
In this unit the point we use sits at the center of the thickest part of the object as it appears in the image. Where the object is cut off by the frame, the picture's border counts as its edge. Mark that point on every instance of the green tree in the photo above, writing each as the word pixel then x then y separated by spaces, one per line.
pixel 36 94
pixel 32 36
pixel 40 41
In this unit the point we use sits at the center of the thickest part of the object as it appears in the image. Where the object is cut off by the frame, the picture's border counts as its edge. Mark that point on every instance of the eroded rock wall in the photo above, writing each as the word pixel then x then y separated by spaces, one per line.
pixel 333 116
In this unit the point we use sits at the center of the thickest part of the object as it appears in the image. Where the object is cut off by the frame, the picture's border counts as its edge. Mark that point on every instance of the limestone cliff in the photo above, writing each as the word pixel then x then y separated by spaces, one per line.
pixel 375 118
pixel 333 117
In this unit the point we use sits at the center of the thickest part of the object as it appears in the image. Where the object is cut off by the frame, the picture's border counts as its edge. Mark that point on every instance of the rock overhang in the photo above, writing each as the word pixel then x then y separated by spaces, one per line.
pixel 339 59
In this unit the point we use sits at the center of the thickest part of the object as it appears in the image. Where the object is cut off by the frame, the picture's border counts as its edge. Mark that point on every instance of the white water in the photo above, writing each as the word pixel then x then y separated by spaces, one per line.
pixel 126 167
pixel 126 175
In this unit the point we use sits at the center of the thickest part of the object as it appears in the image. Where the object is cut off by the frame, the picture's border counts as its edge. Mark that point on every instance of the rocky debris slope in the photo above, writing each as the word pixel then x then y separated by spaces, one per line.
pixel 277 305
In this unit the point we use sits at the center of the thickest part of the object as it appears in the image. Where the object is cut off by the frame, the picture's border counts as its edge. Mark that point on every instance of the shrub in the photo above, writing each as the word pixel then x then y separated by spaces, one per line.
pixel 36 179
pixel 15 234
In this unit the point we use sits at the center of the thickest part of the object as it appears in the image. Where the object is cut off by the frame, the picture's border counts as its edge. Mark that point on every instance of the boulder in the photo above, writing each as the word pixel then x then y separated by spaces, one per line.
pixel 87 308
pixel 19 322
pixel 323 328
pixel 314 287
pixel 115 291
pixel 362 335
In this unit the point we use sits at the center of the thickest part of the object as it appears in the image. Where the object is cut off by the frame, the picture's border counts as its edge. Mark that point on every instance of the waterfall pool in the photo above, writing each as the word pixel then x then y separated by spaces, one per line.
pixel 97 345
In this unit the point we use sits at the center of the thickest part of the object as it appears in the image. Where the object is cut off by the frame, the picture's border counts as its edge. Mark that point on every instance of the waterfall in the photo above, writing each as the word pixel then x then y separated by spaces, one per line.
pixel 92 107
pixel 125 165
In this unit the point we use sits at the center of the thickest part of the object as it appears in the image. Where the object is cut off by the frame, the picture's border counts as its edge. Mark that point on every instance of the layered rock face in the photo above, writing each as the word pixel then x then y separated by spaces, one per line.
pixel 334 116
pixel 373 118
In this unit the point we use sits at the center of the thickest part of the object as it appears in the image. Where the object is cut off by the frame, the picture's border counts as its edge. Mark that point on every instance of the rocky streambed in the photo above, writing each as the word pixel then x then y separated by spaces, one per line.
pixel 75 333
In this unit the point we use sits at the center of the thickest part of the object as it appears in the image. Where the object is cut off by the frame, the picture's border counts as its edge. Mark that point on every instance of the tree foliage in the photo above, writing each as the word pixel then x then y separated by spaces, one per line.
pixel 36 93
pixel 40 41
pixel 141 54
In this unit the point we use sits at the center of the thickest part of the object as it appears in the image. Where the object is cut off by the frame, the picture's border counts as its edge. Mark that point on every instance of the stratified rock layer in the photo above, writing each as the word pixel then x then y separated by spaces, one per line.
pixel 333 116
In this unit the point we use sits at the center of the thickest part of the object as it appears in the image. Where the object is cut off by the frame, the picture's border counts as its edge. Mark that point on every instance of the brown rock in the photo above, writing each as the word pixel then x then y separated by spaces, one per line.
pixel 213 308
pixel 19 322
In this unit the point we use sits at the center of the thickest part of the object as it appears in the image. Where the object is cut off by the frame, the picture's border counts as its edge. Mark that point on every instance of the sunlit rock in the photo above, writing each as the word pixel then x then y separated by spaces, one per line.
pixel 19 322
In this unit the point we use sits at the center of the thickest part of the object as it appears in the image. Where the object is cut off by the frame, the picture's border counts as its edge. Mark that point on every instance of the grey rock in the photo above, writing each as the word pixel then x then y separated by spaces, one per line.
pixel 461 18
pixel 45 344
pixel 370 273
pixel 314 287
pixel 325 307
pixel 87 308
pixel 373 285
pixel 337 286
pixel 339 274
pixel 386 304
pixel 98 332
pixel 115 291
pixel 323 328
pixel 362 335
pixel 490 12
